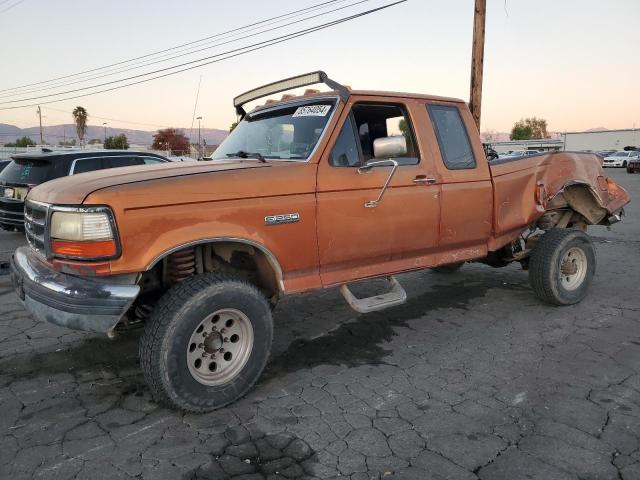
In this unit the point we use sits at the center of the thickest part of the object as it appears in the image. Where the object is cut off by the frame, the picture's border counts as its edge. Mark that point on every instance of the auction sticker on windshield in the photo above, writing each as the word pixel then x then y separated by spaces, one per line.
pixel 312 111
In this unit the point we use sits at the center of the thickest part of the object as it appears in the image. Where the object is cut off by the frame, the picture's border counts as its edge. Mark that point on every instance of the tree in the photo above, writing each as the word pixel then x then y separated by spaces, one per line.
pixel 520 131
pixel 171 139
pixel 404 128
pixel 529 128
pixel 80 117
pixel 93 141
pixel 119 142
pixel 21 142
pixel 233 125
pixel 538 127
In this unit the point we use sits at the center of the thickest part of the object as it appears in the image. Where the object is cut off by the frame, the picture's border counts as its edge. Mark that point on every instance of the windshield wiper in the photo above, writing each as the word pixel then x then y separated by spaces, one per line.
pixel 243 154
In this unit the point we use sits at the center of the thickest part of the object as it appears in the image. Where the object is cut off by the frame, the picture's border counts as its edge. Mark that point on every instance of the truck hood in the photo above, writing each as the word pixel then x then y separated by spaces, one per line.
pixel 74 189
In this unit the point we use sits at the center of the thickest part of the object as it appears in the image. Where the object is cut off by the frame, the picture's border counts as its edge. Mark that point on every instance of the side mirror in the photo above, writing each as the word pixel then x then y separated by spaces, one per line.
pixel 378 163
pixel 389 147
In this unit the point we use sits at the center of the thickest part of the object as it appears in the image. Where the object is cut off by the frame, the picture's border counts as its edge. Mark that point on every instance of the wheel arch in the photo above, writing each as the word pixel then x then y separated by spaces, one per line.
pixel 579 197
pixel 267 264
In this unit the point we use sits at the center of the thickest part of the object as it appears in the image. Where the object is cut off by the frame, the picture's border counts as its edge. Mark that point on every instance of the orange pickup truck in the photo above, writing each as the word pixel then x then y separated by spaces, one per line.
pixel 308 192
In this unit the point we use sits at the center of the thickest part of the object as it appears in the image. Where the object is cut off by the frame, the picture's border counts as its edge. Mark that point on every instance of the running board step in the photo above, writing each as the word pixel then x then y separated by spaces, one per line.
pixel 395 296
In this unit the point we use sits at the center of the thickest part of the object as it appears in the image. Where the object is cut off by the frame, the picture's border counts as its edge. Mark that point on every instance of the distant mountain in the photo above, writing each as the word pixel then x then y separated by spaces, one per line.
pixel 57 133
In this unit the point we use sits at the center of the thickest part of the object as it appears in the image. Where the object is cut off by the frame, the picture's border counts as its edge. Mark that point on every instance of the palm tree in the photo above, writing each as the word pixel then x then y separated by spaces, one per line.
pixel 80 118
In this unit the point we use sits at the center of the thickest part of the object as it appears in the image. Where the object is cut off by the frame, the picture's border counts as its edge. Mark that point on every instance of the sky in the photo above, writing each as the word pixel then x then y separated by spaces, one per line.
pixel 575 63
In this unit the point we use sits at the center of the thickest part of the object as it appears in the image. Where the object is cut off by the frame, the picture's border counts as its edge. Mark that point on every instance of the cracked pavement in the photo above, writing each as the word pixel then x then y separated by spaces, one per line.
pixel 473 378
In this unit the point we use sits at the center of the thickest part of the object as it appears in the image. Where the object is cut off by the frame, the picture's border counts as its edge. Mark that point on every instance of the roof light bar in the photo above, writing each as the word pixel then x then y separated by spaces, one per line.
pixel 288 84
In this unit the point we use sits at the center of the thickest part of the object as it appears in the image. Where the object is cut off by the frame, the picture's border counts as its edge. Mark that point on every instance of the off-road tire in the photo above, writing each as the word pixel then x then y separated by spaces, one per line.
pixel 546 262
pixel 163 345
pixel 449 268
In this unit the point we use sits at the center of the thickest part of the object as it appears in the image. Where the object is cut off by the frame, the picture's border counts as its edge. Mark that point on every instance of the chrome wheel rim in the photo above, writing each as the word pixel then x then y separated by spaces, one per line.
pixel 573 268
pixel 219 347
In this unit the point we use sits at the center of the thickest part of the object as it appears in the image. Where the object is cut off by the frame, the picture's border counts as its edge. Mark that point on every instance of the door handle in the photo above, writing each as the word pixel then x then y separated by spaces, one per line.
pixel 424 180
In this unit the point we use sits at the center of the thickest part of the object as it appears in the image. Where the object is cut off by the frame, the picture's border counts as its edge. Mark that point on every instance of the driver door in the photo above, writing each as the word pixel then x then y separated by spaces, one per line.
pixel 401 231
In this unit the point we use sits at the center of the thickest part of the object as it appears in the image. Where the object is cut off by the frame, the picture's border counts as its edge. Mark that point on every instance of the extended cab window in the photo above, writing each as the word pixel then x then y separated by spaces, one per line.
pixel 453 140
pixel 384 120
pixel 287 132
pixel 345 151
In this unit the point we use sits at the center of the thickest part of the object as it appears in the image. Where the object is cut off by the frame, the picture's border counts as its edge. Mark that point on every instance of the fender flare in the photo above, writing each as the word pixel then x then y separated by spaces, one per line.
pixel 271 258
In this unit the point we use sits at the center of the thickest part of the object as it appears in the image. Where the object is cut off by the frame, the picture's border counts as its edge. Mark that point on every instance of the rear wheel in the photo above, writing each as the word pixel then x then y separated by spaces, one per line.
pixel 562 266
pixel 449 268
pixel 206 343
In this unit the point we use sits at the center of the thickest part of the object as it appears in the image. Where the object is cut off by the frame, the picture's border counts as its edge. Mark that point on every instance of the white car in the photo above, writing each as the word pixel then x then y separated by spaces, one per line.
pixel 620 159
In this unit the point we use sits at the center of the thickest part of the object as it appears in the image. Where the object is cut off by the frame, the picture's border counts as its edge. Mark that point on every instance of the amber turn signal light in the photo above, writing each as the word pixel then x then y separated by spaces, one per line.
pixel 88 250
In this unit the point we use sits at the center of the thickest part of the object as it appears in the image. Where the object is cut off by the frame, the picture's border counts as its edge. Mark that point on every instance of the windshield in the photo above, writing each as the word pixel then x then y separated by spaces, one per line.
pixel 284 133
pixel 27 172
pixel 622 154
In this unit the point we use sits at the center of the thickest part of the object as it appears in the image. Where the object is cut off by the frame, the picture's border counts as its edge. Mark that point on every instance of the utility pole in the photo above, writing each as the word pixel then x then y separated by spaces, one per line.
pixel 104 126
pixel 199 141
pixel 477 60
pixel 39 111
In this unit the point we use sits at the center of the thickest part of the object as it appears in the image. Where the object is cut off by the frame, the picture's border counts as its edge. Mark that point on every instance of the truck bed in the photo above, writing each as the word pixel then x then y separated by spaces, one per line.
pixel 524 186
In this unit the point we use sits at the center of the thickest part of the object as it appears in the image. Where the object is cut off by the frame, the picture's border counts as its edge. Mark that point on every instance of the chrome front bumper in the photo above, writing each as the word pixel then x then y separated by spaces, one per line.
pixel 81 303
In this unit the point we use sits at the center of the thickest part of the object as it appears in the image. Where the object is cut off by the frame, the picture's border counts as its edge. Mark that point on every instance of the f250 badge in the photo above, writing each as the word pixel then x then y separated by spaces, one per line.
pixel 283 218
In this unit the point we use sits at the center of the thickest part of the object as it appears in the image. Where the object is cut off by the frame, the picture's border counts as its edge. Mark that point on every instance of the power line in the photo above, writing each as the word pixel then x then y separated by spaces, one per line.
pixel 167 58
pixel 312 7
pixel 11 6
pixel 229 54
pixel 111 119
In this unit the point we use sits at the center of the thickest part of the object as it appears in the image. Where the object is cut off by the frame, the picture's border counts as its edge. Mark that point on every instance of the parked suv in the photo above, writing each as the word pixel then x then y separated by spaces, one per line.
pixel 633 165
pixel 309 192
pixel 30 169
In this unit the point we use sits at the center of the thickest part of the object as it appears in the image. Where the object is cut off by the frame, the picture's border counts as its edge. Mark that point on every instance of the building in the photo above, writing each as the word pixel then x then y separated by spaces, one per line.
pixel 545 144
pixel 604 140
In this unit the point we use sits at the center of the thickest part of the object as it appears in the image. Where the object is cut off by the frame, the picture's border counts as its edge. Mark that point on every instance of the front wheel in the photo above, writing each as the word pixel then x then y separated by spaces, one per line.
pixel 562 266
pixel 206 343
pixel 624 164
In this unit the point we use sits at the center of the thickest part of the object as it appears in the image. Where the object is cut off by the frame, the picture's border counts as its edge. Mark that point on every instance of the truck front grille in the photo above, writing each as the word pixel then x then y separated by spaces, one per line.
pixel 35 225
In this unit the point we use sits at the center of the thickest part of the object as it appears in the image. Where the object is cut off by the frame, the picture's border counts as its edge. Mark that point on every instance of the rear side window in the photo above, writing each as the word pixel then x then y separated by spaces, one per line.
pixel 151 160
pixel 115 162
pixel 453 140
pixel 87 165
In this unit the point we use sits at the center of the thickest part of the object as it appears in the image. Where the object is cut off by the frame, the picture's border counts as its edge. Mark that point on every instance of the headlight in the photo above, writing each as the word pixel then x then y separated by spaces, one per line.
pixel 81 226
pixel 82 235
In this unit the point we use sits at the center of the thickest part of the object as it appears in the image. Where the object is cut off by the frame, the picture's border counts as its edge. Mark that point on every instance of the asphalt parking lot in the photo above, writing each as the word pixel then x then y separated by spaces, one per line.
pixel 472 378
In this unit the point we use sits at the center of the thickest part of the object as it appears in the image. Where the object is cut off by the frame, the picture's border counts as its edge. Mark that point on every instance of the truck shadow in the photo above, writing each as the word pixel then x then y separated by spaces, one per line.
pixel 351 343
pixel 360 342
